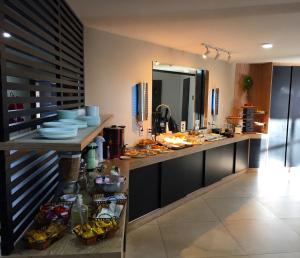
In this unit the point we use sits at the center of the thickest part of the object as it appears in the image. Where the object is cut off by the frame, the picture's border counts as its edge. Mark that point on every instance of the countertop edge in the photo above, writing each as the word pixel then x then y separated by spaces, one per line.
pixel 142 162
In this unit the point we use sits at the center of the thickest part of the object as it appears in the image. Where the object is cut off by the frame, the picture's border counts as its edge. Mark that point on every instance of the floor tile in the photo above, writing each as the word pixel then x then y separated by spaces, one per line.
pixel 283 207
pixel 202 239
pixel 145 242
pixel 230 256
pixel 194 211
pixel 282 255
pixel 234 189
pixel 260 237
pixel 294 224
pixel 239 209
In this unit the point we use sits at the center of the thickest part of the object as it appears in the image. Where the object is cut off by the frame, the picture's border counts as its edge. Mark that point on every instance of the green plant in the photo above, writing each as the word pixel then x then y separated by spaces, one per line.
pixel 248 82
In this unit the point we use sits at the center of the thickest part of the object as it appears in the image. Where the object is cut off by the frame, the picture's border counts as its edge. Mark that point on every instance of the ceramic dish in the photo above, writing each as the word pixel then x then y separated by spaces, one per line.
pixel 60 125
pixel 91 120
pixel 81 124
pixel 67 114
pixel 58 137
pixel 57 133
pixel 92 110
pixel 124 157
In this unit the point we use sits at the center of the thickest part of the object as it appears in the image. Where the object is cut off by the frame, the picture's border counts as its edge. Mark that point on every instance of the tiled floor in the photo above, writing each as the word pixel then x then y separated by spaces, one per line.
pixel 257 215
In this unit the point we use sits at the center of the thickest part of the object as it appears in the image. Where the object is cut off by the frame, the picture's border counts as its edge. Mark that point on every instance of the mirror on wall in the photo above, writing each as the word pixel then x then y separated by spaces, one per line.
pixel 179 98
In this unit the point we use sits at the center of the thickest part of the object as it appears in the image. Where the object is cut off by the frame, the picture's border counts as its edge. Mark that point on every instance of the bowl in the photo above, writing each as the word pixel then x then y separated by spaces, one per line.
pixel 92 110
pixel 67 114
pixel 110 184
pixel 91 120
pixel 57 133
pixel 57 130
pixel 60 125
pixel 79 123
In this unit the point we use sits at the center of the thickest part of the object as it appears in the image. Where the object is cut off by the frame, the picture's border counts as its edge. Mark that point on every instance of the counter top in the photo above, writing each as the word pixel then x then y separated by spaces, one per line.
pixel 134 163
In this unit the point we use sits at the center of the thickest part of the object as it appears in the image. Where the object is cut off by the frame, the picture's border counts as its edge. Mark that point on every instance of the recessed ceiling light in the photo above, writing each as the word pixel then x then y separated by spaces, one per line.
pixel 6 35
pixel 267 45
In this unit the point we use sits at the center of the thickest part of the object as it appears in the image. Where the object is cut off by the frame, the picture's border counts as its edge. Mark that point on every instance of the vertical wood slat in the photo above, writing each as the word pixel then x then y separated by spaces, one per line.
pixel 44 52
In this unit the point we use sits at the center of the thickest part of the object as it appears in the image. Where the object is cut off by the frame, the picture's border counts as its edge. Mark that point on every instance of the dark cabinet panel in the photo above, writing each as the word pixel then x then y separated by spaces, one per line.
pixel 293 146
pixel 144 190
pixel 258 152
pixel 180 177
pixel 241 160
pixel 279 114
pixel 218 163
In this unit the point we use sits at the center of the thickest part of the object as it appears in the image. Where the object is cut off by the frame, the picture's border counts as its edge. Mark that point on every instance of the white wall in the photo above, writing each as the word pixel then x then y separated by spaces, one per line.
pixel 114 64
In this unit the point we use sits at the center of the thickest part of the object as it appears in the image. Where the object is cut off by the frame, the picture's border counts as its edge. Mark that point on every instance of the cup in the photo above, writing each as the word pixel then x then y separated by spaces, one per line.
pixel 92 110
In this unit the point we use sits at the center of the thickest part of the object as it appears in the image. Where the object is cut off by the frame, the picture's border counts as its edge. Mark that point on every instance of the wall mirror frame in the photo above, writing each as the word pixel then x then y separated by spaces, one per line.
pixel 178 94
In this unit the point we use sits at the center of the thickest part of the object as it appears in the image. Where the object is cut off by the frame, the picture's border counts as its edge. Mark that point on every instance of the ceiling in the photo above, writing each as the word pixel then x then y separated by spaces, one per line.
pixel 239 26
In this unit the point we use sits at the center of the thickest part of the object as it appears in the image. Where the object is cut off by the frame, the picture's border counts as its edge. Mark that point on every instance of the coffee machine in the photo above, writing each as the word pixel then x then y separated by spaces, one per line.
pixel 114 141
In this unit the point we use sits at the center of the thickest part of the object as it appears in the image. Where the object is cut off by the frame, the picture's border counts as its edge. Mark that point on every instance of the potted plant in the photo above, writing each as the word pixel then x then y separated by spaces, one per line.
pixel 247 83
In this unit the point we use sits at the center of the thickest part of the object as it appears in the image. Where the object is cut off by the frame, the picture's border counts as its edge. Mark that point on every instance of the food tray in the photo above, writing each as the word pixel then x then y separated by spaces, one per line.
pixel 42 245
pixel 42 219
pixel 109 199
pixel 108 231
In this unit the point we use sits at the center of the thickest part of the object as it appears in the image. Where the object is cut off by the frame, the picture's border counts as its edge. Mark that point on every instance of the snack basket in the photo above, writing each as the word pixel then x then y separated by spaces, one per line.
pixel 45 230
pixel 52 212
pixel 101 199
pixel 98 229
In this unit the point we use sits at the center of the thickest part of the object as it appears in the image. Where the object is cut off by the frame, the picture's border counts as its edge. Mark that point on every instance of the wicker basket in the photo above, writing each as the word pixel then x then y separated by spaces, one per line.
pixel 110 198
pixel 42 220
pixel 42 245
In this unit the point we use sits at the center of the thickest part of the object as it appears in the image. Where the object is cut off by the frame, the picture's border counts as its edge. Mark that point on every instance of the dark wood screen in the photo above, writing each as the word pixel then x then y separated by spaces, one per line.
pixel 41 71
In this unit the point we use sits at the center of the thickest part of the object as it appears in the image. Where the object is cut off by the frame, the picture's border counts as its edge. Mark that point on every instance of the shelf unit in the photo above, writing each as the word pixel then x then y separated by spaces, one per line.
pixel 33 141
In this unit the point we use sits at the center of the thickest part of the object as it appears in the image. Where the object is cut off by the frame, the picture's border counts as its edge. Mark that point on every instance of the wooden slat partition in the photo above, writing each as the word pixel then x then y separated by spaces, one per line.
pixel 42 70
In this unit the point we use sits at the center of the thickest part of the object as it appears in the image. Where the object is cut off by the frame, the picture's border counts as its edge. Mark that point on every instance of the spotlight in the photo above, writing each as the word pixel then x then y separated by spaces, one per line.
pixel 229 57
pixel 204 56
pixel 156 63
pixel 218 54
pixel 6 35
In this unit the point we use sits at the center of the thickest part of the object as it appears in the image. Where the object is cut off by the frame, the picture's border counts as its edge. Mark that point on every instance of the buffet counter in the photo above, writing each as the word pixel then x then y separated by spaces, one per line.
pixel 154 182
pixel 135 163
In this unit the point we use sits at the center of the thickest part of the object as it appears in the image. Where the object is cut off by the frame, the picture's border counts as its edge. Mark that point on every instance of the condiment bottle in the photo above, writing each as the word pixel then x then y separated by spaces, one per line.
pixel 79 213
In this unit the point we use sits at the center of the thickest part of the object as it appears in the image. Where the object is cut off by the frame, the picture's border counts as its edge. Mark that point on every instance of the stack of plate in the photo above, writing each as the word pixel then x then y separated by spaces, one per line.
pixel 75 122
pixel 57 133
pixel 61 129
pixel 92 116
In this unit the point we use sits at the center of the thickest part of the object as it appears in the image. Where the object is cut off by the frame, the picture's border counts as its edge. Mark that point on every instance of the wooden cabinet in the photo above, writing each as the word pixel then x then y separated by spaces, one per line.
pixel 144 190
pixel 180 177
pixel 219 162
pixel 241 155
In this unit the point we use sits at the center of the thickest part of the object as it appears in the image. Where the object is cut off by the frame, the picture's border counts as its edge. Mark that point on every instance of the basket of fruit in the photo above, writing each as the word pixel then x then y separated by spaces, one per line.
pixel 43 237
pixel 54 212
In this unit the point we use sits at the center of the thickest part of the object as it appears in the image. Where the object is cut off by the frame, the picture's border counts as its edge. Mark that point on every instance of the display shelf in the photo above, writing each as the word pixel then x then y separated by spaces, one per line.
pixel 33 141
pixel 234 118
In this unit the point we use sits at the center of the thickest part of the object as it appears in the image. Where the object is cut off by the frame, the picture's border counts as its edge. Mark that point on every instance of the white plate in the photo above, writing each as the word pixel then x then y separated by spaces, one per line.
pixel 125 157
pixel 81 124
pixel 58 137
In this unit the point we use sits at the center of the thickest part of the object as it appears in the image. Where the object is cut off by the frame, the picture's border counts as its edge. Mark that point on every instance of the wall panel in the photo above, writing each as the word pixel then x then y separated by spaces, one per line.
pixel 42 70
